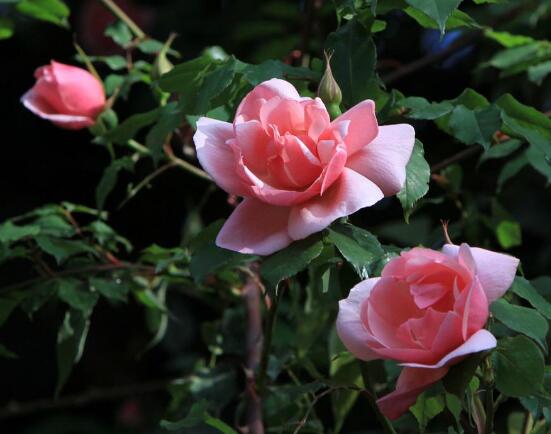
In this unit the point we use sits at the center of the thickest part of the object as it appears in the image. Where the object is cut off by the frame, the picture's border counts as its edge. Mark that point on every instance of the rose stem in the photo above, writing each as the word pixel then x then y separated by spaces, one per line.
pixel 121 15
pixel 371 396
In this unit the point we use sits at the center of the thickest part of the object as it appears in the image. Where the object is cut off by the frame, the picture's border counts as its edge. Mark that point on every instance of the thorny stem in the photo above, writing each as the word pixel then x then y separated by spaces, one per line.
pixel 460 156
pixel 267 343
pixel 121 15
pixel 489 396
pixel 251 295
pixel 371 396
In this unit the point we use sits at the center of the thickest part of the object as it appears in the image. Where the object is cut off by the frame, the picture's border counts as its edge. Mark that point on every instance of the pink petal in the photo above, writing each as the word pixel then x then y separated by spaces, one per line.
pixel 251 104
pixel 42 109
pixel 256 228
pixel 384 160
pixel 362 128
pixel 287 115
pixel 347 195
pixel 482 340
pixel 411 383
pixel 350 328
pixel 80 91
pixel 495 271
pixel 216 156
pixel 317 118
pixel 253 143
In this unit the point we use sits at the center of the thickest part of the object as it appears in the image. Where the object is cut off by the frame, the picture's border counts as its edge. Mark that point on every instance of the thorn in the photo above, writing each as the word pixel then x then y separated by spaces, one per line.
pixel 445 224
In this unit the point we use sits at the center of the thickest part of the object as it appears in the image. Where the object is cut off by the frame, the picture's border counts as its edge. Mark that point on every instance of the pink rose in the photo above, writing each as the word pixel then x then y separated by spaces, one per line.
pixel 68 96
pixel 297 170
pixel 426 311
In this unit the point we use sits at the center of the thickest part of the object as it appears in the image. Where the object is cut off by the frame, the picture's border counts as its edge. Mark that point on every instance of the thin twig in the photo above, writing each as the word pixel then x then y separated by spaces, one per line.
pixel 77 271
pixel 303 421
pixel 251 295
pixel 121 15
pixel 267 343
pixel 460 156
pixel 429 59
pixel 19 409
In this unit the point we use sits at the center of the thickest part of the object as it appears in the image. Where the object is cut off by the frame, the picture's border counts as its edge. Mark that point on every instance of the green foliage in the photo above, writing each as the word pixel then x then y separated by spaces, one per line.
pixel 53 11
pixel 417 180
pixel 438 10
pixel 519 366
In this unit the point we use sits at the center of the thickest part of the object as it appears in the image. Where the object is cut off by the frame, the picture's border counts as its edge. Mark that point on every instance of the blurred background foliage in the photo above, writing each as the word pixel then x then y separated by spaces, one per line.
pixel 130 286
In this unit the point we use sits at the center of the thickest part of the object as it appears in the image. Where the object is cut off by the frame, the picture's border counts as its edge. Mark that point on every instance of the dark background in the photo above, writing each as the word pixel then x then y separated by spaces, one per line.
pixel 42 164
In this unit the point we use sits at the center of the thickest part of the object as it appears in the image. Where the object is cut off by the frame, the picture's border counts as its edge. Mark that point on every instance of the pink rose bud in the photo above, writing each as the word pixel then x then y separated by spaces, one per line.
pixel 298 170
pixel 427 311
pixel 68 96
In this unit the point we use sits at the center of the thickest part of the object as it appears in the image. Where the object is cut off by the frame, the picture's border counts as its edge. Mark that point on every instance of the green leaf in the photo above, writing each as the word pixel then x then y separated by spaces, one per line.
pixel 459 376
pixel 207 257
pixel 7 354
pixel 10 233
pixel 127 129
pixel 6 28
pixel 291 260
pixel 438 10
pixel 109 178
pixel 62 249
pixel 417 180
pixel 521 319
pixel 500 150
pixel 353 61
pixel 170 117
pixel 538 73
pixel 53 11
pixel 73 292
pixel 427 408
pixel 186 75
pixel 526 122
pixel 507 39
pixel 457 19
pixel 358 246
pixel 475 126
pixel 8 302
pixel 110 289
pixel 71 338
pixel 256 74
pixel 511 169
pixel 213 85
pixel 518 366
pixel 420 108
pixel 196 416
pixel 509 234
pixel 120 33
pixel 524 289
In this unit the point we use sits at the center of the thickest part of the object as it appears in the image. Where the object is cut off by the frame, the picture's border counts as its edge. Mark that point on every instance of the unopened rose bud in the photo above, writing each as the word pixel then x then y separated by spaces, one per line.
pixel 329 91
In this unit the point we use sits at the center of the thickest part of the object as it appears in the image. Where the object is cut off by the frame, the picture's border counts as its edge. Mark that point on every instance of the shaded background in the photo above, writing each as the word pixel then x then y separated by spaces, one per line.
pixel 41 164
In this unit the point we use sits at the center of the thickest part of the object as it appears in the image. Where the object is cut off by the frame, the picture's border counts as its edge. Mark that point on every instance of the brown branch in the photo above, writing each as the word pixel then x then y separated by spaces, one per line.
pixel 460 156
pixel 83 270
pixel 251 295
pixel 429 59
pixel 19 409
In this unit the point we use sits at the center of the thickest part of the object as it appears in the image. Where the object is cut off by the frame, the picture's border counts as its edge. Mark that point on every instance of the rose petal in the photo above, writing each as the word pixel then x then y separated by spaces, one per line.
pixel 350 327
pixel 42 109
pixel 384 160
pixel 411 383
pixel 251 104
pixel 253 142
pixel 256 228
pixel 495 271
pixel 317 118
pixel 216 157
pixel 482 340
pixel 81 93
pixel 363 125
pixel 347 195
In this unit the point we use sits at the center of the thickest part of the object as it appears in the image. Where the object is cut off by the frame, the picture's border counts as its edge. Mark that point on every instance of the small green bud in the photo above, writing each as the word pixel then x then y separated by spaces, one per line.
pixel 162 65
pixel 328 90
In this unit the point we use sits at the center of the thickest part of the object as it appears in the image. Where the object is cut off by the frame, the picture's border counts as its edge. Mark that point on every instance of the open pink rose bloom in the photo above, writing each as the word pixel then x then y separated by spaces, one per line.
pixel 68 96
pixel 427 311
pixel 297 170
